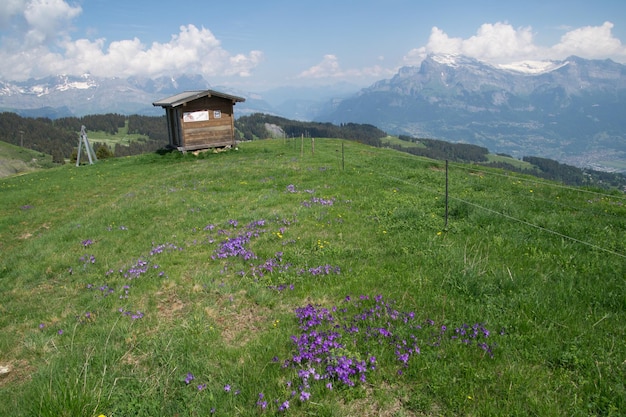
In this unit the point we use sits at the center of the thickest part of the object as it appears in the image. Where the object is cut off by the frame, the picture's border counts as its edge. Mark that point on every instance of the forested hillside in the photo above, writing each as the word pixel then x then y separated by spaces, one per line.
pixel 255 126
pixel 38 134
pixel 59 137
pixel 540 167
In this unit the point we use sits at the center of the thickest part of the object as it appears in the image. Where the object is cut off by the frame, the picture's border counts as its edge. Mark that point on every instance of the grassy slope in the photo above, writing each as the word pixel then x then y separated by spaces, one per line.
pixel 549 270
pixel 393 140
pixel 122 137
pixel 16 160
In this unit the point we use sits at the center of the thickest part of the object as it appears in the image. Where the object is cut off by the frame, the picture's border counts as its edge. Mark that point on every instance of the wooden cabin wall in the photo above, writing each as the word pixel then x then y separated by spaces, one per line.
pixel 213 132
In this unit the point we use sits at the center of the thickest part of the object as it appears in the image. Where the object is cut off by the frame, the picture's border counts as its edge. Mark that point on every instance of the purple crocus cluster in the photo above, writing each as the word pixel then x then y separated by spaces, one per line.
pixel 321 270
pixel 475 333
pixel 236 245
pixel 335 344
pixel 163 247
pixel 104 289
pixel 318 200
pixel 135 271
pixel 142 266
pixel 271 265
pixel 133 315
pixel 87 259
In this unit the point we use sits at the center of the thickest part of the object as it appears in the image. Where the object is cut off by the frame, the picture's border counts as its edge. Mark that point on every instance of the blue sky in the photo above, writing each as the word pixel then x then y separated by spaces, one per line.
pixel 256 45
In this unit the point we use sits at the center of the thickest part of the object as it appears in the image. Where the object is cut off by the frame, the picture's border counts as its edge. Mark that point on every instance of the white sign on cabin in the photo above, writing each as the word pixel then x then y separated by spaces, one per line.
pixel 196 116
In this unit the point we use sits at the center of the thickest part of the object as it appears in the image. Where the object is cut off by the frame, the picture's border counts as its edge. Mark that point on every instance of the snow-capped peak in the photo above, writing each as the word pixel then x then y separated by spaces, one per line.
pixel 446 59
pixel 75 83
pixel 533 67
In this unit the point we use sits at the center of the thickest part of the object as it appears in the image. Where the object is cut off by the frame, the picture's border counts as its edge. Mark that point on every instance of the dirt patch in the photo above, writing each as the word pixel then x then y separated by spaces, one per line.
pixel 234 316
pixel 237 319
pixel 169 306
pixel 15 372
pixel 28 235
pixel 368 405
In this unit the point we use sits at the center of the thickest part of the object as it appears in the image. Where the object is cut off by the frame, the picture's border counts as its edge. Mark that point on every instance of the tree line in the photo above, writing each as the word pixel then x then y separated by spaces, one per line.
pixel 59 137
pixel 39 134
pixel 439 149
pixel 541 167
pixel 253 127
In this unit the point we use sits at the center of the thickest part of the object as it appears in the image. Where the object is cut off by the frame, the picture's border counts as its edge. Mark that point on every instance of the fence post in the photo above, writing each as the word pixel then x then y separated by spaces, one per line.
pixel 446 223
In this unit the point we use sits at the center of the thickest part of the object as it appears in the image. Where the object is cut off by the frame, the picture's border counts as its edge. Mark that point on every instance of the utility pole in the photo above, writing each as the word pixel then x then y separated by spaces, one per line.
pixel 22 138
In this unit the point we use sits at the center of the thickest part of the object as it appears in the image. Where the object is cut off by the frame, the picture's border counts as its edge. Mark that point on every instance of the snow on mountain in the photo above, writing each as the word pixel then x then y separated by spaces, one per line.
pixel 533 67
pixel 83 83
pixel 571 110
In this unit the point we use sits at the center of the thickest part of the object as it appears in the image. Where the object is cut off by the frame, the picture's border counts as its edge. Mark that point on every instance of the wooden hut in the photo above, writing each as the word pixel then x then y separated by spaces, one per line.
pixel 200 119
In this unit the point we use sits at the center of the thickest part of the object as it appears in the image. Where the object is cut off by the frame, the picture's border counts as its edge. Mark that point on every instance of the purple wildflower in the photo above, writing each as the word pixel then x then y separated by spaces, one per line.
pixel 189 378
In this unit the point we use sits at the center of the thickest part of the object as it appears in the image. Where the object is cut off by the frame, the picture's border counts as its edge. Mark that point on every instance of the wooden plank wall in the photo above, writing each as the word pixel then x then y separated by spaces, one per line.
pixel 213 132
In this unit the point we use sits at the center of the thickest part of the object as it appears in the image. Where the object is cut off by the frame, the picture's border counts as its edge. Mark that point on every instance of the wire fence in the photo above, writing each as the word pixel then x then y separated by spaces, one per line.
pixel 347 157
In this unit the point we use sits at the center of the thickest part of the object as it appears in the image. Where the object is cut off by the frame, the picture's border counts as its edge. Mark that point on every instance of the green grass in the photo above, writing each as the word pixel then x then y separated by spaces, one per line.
pixel 393 140
pixel 17 160
pixel 506 159
pixel 540 265
pixel 122 137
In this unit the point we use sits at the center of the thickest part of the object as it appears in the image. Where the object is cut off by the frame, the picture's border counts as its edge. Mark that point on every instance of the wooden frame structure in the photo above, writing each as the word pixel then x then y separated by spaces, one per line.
pixel 200 119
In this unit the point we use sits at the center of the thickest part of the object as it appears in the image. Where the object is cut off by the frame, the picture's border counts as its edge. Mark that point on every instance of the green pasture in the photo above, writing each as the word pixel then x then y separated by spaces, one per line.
pixel 17 160
pixel 508 160
pixel 122 137
pixel 282 278
pixel 394 140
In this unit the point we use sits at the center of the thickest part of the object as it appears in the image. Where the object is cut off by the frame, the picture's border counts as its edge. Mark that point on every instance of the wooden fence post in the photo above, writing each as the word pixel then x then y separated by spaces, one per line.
pixel 446 223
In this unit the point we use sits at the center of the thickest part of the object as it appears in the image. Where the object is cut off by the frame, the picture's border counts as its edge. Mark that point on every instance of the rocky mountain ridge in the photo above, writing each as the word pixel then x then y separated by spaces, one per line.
pixel 571 110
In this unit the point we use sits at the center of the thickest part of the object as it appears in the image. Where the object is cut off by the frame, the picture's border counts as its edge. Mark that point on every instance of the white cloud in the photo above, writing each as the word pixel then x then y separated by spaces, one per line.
pixel 44 47
pixel 47 20
pixel 502 43
pixel 329 68
pixel 9 9
pixel 591 42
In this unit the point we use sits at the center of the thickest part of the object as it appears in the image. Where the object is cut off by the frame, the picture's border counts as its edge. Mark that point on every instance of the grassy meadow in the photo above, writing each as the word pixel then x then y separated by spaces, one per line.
pixel 122 137
pixel 15 160
pixel 282 278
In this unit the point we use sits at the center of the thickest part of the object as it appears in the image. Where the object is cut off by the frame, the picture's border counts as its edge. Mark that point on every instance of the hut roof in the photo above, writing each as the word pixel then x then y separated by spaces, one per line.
pixel 187 96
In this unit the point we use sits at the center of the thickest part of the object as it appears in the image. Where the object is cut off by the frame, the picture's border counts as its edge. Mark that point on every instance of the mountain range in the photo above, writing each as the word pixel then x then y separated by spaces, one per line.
pixel 573 110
